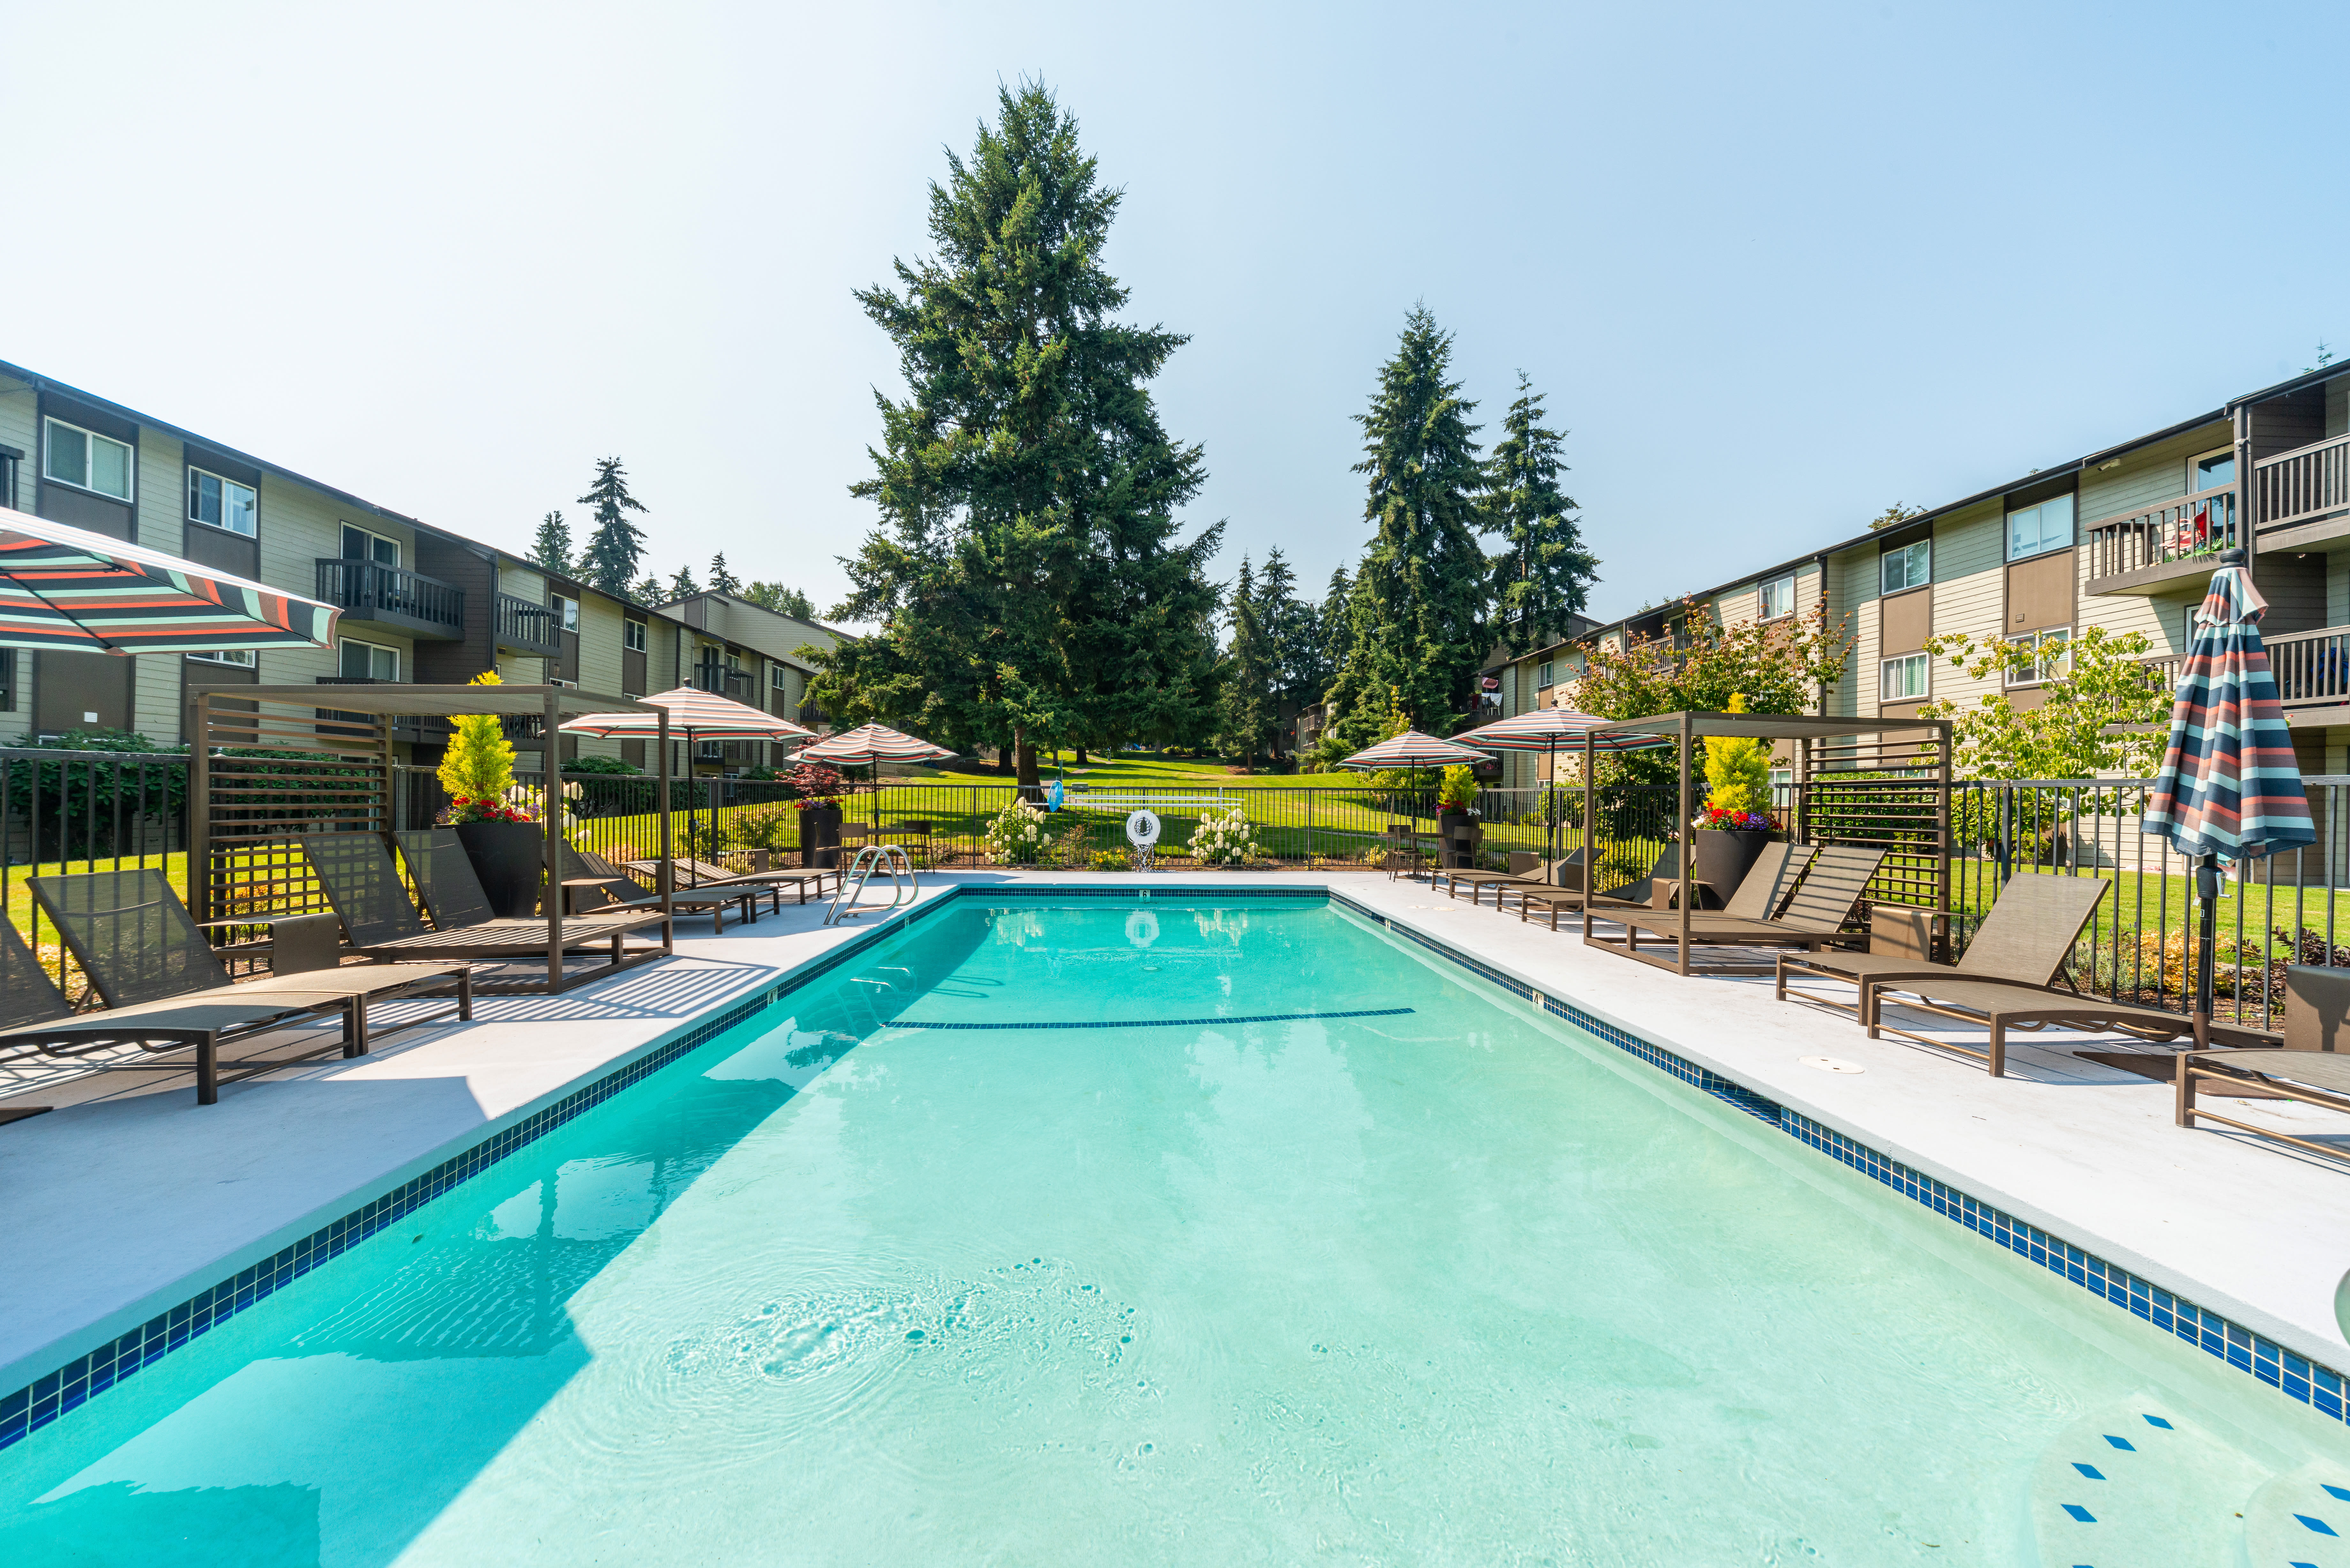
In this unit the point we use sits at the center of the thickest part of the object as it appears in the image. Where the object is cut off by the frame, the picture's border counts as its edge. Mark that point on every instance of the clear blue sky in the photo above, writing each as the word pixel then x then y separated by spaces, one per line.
pixel 1776 268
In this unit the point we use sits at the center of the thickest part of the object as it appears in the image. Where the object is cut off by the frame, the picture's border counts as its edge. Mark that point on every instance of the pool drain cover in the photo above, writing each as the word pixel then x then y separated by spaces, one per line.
pixel 1832 1065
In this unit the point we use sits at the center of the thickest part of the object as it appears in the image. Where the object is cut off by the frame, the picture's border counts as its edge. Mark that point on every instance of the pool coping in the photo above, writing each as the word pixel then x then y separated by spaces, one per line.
pixel 47 1397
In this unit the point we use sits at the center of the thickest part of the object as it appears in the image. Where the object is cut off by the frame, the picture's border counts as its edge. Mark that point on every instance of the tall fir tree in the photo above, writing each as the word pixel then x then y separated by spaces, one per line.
pixel 647 591
pixel 1025 576
pixel 1335 625
pixel 1248 717
pixel 775 596
pixel 682 585
pixel 615 547
pixel 552 548
pixel 1421 595
pixel 1543 573
pixel 1292 637
pixel 722 581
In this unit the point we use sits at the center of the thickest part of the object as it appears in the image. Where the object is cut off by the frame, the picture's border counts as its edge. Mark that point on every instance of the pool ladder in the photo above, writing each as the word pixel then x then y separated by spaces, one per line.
pixel 891 858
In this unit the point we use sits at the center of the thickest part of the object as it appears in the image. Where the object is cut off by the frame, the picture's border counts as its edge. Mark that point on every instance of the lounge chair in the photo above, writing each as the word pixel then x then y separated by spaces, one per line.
pixel 1763 911
pixel 592 874
pixel 1545 874
pixel 1999 1006
pixel 2026 940
pixel 165 989
pixel 362 883
pixel 2314 1076
pixel 702 874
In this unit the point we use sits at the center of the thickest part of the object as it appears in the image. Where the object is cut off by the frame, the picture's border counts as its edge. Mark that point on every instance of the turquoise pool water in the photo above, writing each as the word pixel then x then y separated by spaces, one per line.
pixel 1422 1278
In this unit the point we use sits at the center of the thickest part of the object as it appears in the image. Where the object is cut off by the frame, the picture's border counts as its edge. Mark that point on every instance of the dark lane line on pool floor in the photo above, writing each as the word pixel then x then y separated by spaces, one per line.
pixel 1169 1023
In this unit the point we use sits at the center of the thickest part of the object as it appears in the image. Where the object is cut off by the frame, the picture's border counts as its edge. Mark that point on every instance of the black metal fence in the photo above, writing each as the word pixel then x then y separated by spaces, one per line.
pixel 64 812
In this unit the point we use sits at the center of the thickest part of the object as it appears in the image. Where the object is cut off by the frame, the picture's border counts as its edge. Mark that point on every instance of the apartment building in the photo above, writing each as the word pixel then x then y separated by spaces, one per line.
pixel 418 602
pixel 2124 537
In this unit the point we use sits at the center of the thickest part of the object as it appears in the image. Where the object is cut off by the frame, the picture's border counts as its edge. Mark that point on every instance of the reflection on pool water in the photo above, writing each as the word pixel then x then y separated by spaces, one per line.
pixel 966 1252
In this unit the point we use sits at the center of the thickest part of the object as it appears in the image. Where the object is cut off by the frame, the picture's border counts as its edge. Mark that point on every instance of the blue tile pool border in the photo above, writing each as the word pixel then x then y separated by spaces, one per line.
pixel 28 1409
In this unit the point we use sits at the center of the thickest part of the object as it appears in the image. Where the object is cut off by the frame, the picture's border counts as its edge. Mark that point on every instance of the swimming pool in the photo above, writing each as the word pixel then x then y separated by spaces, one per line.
pixel 1211 1231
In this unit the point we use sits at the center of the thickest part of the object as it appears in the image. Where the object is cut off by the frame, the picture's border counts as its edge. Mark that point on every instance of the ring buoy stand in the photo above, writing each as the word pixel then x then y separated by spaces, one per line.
pixel 1142 832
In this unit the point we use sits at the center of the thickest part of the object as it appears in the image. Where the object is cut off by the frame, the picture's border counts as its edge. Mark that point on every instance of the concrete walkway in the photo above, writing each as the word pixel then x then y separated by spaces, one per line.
pixel 116 1207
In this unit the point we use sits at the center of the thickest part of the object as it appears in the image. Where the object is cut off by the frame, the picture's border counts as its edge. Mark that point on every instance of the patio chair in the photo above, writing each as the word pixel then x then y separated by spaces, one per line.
pixel 1817 912
pixel 1758 896
pixel 586 873
pixel 702 874
pixel 1541 873
pixel 166 989
pixel 363 885
pixel 2311 1068
pixel 1403 852
pixel 2026 940
pixel 1999 1006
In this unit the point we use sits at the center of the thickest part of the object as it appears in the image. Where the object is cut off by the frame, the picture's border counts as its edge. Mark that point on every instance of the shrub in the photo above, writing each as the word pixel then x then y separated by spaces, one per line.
pixel 1223 838
pixel 612 766
pixel 1017 836
pixel 1112 860
pixel 775 826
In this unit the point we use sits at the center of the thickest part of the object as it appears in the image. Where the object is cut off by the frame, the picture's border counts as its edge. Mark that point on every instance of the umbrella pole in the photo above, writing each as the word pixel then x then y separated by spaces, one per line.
pixel 2207 891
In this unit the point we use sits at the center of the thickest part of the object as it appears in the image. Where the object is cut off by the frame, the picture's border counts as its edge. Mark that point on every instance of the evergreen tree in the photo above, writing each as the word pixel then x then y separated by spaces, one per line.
pixel 1543 573
pixel 647 591
pixel 1291 639
pixel 781 599
pixel 681 586
pixel 721 581
pixel 552 548
pixel 1420 595
pixel 1334 626
pixel 617 544
pixel 1248 719
pixel 1025 574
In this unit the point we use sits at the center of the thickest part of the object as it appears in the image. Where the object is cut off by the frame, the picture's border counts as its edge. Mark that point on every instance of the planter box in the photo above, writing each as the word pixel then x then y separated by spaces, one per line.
pixel 509 857
pixel 820 837
pixel 1723 857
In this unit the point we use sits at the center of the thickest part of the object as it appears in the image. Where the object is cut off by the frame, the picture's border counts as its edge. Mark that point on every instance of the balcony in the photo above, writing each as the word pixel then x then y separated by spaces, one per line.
pixel 527 629
pixel 424 608
pixel 2159 546
pixel 2301 497
pixel 2311 670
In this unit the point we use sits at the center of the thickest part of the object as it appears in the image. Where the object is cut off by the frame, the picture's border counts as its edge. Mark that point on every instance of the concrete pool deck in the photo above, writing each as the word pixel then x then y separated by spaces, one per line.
pixel 132 1197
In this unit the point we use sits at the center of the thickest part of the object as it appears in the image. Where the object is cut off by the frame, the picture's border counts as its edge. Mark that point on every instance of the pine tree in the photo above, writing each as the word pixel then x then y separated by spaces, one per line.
pixel 1247 718
pixel 721 581
pixel 782 600
pixel 647 591
pixel 552 548
pixel 617 544
pixel 1292 640
pixel 1025 574
pixel 681 586
pixel 1543 573
pixel 1335 623
pixel 1420 609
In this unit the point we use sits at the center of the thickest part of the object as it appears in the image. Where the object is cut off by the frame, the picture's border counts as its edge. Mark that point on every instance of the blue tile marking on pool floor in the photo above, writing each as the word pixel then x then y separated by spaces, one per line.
pixel 1170 1022
pixel 43 1400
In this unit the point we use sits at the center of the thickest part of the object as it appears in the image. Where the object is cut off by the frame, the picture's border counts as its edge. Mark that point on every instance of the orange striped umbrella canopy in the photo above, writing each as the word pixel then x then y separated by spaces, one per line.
pixel 694 715
pixel 70 589
pixel 873 743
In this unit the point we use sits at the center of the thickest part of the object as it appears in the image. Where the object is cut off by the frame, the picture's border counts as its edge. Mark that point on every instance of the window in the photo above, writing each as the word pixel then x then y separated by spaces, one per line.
pixel 222 502
pixel 2036 529
pixel 358 545
pixel 2050 650
pixel 1911 566
pixel 1776 599
pixel 567 612
pixel 2213 470
pixel 88 459
pixel 369 661
pixel 1542 673
pixel 240 657
pixel 1901 680
pixel 632 636
pixel 779 676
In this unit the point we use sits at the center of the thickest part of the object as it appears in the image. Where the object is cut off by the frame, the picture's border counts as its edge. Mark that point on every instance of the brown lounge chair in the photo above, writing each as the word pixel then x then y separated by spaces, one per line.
pixel 702 874
pixel 1766 883
pixel 166 991
pixel 2026 940
pixel 2312 1068
pixel 363 885
pixel 1544 874
pixel 1999 1006
pixel 585 873
pixel 1816 913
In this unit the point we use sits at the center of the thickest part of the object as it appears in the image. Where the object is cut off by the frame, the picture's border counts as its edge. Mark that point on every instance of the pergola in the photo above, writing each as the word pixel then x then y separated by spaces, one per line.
pixel 244 812
pixel 1902 804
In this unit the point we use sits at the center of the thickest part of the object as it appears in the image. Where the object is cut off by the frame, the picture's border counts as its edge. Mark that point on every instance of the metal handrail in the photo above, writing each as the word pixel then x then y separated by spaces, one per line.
pixel 889 857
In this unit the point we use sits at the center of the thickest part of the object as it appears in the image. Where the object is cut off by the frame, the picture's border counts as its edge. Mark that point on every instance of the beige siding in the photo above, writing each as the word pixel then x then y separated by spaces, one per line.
pixel 1970 592
pixel 2148 474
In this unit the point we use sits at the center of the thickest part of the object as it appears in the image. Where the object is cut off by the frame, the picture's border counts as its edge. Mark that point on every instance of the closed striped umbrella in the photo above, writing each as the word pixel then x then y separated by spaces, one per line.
pixel 74 590
pixel 1413 750
pixel 2228 788
pixel 694 715
pixel 873 743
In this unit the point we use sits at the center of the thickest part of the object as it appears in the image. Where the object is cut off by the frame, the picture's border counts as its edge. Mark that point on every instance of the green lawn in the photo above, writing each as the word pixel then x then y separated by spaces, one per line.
pixel 1141 769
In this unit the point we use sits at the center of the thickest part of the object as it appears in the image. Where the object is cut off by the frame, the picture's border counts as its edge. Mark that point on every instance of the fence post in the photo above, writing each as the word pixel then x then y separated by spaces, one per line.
pixel 1309 829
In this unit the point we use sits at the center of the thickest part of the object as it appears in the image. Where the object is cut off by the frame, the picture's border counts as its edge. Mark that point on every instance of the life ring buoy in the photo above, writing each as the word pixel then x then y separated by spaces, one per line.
pixel 1141 829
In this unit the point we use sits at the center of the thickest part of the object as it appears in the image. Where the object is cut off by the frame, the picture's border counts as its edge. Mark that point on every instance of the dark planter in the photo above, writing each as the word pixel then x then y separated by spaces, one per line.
pixel 507 856
pixel 1456 829
pixel 1723 857
pixel 820 837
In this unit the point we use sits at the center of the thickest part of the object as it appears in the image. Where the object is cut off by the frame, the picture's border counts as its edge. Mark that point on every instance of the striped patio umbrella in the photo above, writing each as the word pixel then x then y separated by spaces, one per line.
pixel 1413 750
pixel 694 715
pixel 874 744
pixel 1542 729
pixel 2228 788
pixel 74 590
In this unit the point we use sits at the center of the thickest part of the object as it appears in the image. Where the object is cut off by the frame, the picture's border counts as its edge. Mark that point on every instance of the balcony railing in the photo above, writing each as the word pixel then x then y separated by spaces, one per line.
pixel 528 629
pixel 2302 484
pixel 2183 528
pixel 370 590
pixel 2311 668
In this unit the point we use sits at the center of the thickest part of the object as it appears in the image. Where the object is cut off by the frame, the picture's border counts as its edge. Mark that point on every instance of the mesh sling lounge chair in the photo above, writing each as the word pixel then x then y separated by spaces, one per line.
pixel 1814 915
pixel 1999 1006
pixel 592 874
pixel 165 988
pixel 1570 898
pixel 1545 874
pixel 702 874
pixel 2026 940
pixel 362 883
